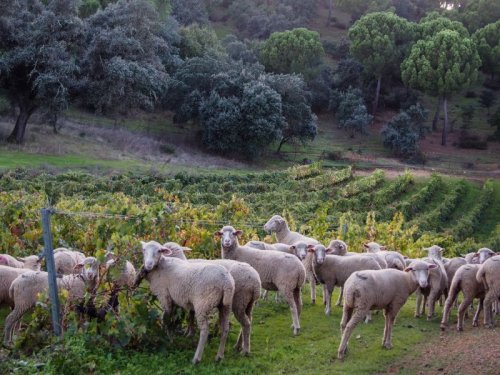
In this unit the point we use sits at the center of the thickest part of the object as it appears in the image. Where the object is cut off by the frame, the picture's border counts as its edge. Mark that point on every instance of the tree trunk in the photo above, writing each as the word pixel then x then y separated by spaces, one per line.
pixel 445 126
pixel 330 11
pixel 436 115
pixel 17 135
pixel 282 142
pixel 377 94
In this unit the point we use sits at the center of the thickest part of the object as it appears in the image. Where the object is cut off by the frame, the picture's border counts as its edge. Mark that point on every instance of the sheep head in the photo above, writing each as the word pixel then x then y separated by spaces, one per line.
pixel 152 252
pixel 420 272
pixel 299 249
pixel 275 224
pixel 484 254
pixel 229 236
pixel 434 251
pixel 373 247
pixel 319 252
pixel 337 247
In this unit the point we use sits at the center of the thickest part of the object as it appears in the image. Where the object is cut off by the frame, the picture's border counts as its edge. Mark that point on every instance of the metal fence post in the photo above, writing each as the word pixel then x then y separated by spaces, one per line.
pixel 51 269
pixel 344 230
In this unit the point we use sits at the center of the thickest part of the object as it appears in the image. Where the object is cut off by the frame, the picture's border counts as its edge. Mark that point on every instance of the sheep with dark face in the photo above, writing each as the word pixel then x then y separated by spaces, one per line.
pixel 278 271
pixel 386 289
pixel 198 287
pixel 278 225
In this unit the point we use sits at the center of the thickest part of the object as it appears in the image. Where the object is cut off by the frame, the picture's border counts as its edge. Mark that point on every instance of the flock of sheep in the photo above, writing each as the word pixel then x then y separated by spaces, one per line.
pixel 375 280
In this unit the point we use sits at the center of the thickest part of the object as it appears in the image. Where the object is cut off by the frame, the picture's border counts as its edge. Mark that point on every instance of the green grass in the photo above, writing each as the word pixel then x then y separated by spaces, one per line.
pixel 274 349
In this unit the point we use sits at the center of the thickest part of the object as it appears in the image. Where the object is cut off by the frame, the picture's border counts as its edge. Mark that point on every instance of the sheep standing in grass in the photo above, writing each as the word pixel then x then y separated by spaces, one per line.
pixel 199 287
pixel 66 260
pixel 7 276
pixel 489 275
pixel 31 262
pixel 278 271
pixel 386 289
pixel 334 270
pixel 437 286
pixel 246 293
pixel 24 292
pixel 284 235
pixel 464 280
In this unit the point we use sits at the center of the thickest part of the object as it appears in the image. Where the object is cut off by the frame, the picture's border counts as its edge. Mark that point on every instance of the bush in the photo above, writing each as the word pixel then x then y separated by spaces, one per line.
pixel 471 141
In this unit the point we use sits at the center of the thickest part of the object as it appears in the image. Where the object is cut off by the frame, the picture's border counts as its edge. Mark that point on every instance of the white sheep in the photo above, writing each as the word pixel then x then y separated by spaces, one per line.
pixel 65 260
pixel 334 270
pixel 268 246
pixel 25 289
pixel 386 289
pixel 437 286
pixel 451 266
pixel 277 270
pixel 7 276
pixel 393 258
pixel 464 280
pixel 284 235
pixel 246 293
pixel 31 262
pixel 339 247
pixel 198 287
pixel 489 275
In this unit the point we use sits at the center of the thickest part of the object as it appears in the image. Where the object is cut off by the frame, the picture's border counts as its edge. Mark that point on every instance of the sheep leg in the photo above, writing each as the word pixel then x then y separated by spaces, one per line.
pixel 475 320
pixel 346 317
pixel 324 294
pixel 418 303
pixel 264 295
pixel 461 312
pixel 289 297
pixel 312 282
pixel 190 328
pixel 368 317
pixel 298 300
pixel 451 300
pixel 328 299
pixel 224 312
pixel 202 320
pixel 423 305
pixel 489 299
pixel 243 342
pixel 12 323
pixel 431 304
pixel 341 294
pixel 357 317
pixel 390 317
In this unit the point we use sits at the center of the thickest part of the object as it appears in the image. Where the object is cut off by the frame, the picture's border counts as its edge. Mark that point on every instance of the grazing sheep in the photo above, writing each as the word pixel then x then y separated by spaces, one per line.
pixel 489 275
pixel 7 276
pixel 334 270
pixel 267 246
pixel 386 289
pixel 464 280
pixel 31 262
pixel 277 270
pixel 246 293
pixel 65 260
pixel 24 292
pixel 284 235
pixel 393 258
pixel 199 287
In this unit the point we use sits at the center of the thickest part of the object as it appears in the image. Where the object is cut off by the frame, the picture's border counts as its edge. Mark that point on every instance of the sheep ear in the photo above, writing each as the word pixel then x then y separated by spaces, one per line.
pixel 425 249
pixel 329 250
pixel 238 233
pixel 408 269
pixel 383 247
pixel 184 248
pixel 165 251
pixel 366 245
pixel 431 266
pixel 218 234
pixel 143 244
pixel 293 247
pixel 442 250
pixel 309 247
pixel 78 267
pixel 21 259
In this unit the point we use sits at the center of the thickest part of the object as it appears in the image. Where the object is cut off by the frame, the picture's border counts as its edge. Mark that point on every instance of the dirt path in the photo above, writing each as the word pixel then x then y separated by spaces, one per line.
pixel 476 351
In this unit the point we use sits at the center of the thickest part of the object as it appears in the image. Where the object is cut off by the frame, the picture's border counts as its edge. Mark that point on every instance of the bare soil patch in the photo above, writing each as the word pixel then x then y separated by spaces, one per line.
pixel 476 351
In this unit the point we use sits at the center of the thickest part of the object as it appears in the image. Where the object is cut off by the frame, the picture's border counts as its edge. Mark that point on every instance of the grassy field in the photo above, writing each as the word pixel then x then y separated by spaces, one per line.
pixel 274 349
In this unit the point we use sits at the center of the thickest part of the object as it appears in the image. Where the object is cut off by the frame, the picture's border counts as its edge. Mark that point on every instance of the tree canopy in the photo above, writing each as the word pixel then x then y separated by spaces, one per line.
pixel 487 40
